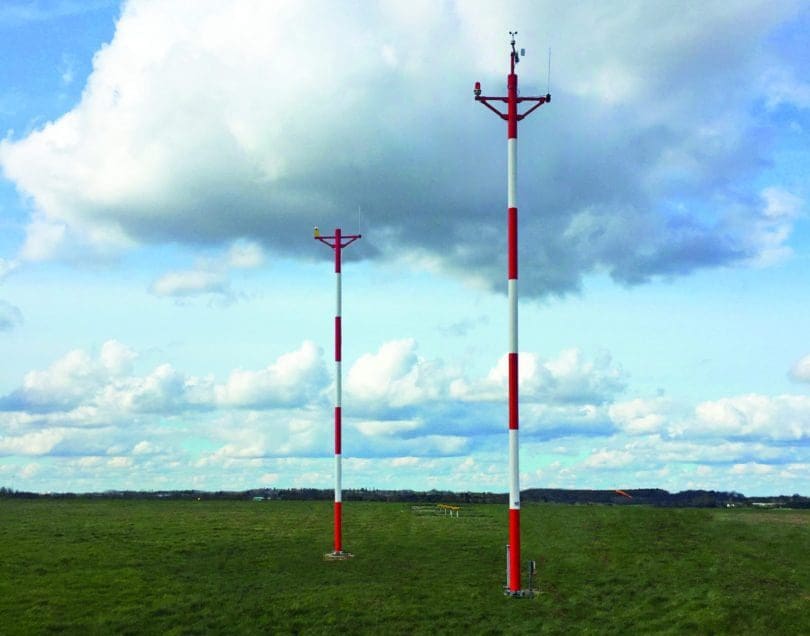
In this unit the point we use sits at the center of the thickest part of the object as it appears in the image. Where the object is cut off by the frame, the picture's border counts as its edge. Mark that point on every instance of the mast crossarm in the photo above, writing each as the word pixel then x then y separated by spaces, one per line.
pixel 328 240
pixel 485 102
pixel 539 102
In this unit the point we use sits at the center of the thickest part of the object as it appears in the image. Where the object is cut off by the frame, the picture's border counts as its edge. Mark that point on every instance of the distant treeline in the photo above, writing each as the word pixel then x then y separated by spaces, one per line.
pixel 645 496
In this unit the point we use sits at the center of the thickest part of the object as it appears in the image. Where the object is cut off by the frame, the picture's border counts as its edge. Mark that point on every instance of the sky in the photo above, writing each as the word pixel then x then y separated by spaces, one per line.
pixel 166 318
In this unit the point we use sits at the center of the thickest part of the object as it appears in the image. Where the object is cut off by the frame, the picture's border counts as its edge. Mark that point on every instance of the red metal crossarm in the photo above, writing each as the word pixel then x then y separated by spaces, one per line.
pixel 485 99
pixel 325 240
pixel 485 102
pixel 540 101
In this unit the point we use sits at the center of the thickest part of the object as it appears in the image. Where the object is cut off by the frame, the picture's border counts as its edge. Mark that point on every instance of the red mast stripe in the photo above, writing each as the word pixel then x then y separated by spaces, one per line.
pixel 514 549
pixel 338 527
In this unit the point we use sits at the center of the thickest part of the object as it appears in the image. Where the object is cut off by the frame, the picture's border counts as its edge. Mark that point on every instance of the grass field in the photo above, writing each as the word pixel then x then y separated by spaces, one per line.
pixel 189 567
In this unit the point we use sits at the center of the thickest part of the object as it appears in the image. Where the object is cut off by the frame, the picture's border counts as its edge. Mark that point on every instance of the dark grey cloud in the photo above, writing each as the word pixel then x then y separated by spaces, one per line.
pixel 644 165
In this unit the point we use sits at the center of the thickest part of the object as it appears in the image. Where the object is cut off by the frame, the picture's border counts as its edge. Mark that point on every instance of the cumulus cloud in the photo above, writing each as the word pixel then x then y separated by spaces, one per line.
pixel 670 463
pixel 144 447
pixel 163 390
pixel 655 450
pixel 120 462
pixel 608 459
pixel 569 378
pixel 771 231
pixel 192 129
pixel 399 395
pixel 550 421
pixel 190 283
pixel 375 428
pixel 83 389
pixel 35 443
pixel 752 468
pixel 641 416
pixel 277 433
pixel 769 419
pixel 296 377
pixel 753 417
pixel 425 444
pixel 102 416
pixel 10 316
pixel 96 404
pixel 44 239
pixel 70 380
pixel 210 277
pixel 395 376
pixel 245 255
pixel 801 370
pixel 402 405
pixel 6 267
pixel 117 358
pixel 783 88
pixel 558 395
pixel 782 418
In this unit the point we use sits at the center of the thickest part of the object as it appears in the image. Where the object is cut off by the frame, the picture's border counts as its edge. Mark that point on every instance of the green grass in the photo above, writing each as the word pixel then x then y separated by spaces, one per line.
pixel 189 567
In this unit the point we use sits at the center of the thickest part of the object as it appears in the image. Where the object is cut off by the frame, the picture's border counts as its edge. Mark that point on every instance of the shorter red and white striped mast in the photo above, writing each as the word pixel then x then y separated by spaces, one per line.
pixel 512 117
pixel 337 243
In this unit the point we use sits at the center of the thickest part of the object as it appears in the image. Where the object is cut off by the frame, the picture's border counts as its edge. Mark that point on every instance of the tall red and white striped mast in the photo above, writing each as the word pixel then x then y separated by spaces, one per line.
pixel 512 117
pixel 337 243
